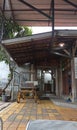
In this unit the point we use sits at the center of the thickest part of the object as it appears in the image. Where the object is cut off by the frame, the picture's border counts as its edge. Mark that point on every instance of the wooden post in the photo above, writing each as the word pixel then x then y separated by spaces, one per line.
pixel 73 84
pixel 56 78
pixel 32 69
pixel 60 82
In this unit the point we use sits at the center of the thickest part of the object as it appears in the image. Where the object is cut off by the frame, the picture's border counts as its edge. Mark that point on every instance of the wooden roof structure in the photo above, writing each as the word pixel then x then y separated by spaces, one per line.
pixel 41 12
pixel 40 47
pixel 46 46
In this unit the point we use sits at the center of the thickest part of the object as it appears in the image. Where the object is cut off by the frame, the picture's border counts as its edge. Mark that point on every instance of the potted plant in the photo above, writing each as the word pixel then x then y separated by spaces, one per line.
pixel 4 98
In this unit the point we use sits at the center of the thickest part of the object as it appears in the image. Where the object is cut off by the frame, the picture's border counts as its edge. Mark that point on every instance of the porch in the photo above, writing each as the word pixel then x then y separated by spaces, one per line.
pixel 36 58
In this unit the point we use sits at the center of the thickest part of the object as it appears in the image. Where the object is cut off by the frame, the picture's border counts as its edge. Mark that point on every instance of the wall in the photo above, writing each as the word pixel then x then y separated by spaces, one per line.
pixel 4 71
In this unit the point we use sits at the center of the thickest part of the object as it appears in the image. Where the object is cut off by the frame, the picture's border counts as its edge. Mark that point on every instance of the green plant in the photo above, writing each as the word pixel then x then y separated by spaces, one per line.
pixel 10 29
pixel 13 30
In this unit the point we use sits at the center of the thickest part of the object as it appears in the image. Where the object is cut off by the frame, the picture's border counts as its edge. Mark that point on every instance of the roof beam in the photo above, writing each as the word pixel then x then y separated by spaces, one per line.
pixel 71 3
pixel 60 54
pixel 34 20
pixel 36 9
pixel 67 52
pixel 42 9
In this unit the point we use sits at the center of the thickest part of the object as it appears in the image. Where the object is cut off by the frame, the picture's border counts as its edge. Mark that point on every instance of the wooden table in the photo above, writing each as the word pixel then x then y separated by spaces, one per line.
pixel 31 91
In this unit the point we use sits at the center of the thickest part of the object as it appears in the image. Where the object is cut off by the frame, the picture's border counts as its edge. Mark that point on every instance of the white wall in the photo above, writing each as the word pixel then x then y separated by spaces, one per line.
pixel 4 71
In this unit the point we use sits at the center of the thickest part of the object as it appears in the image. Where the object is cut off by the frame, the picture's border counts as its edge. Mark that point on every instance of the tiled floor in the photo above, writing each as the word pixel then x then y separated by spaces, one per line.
pixel 16 116
pixel 4 105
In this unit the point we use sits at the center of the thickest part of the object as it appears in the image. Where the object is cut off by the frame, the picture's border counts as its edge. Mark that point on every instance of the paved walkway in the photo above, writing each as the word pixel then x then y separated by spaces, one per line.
pixel 3 105
pixel 16 116
pixel 63 102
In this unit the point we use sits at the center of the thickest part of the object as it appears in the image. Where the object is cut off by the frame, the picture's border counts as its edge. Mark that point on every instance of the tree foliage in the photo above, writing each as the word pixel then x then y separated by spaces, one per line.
pixel 3 55
pixel 13 30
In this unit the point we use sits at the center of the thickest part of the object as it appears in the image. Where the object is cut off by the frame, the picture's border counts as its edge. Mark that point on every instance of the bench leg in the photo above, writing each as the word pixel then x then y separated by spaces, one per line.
pixel 18 97
pixel 36 97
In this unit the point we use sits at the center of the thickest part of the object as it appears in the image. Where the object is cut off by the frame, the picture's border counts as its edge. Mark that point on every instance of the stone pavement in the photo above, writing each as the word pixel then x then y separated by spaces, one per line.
pixel 4 105
pixel 17 115
pixel 63 102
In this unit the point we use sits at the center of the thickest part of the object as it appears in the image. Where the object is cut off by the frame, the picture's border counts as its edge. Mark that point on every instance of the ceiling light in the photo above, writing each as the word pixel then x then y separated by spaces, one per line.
pixel 61 44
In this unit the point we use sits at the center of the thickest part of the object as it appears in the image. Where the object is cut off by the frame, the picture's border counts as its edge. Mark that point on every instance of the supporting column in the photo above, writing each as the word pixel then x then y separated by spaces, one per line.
pixel 57 87
pixel 60 81
pixel 32 68
pixel 73 84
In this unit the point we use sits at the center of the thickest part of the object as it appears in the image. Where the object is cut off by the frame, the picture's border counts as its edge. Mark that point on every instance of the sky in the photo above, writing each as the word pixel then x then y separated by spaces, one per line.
pixel 36 30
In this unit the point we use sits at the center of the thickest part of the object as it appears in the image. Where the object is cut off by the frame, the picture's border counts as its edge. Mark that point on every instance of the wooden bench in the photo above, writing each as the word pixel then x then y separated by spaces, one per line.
pixel 30 90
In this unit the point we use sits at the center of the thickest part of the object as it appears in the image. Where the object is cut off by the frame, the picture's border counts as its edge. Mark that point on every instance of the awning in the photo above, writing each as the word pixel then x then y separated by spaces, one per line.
pixel 39 47
pixel 41 12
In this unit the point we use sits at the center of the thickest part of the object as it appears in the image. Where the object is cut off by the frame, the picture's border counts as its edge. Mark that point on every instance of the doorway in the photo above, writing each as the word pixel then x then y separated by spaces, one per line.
pixel 46 80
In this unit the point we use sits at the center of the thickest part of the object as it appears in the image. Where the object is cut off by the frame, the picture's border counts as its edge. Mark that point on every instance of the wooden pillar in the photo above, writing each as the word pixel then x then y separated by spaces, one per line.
pixel 73 84
pixel 57 87
pixel 60 82
pixel 32 69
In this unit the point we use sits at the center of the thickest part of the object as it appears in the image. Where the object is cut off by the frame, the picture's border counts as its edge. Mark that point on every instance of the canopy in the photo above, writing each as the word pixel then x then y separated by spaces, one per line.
pixel 41 12
pixel 40 48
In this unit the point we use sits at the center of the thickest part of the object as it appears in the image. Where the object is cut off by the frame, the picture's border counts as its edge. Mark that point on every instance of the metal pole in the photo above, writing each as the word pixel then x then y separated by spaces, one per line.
pixel 52 9
pixel 52 20
pixel 2 21
pixel 2 26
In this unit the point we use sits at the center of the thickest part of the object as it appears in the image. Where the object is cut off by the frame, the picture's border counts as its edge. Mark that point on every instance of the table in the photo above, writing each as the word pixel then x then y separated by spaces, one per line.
pixel 51 125
pixel 30 90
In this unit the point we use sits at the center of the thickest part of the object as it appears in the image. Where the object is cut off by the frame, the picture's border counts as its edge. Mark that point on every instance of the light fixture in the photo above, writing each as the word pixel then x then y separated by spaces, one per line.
pixel 61 44
pixel 43 71
pixel 49 71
